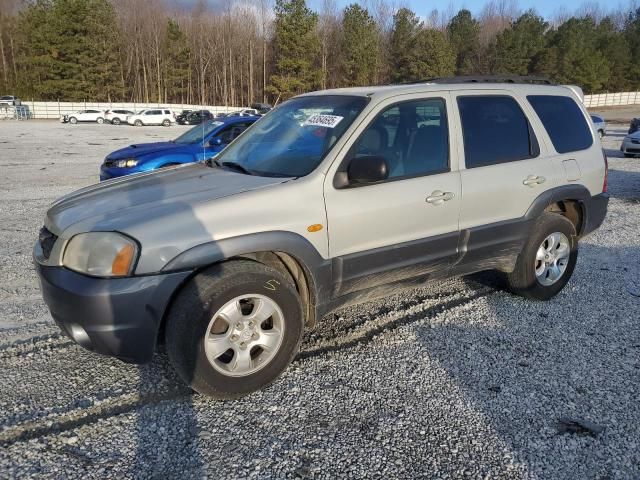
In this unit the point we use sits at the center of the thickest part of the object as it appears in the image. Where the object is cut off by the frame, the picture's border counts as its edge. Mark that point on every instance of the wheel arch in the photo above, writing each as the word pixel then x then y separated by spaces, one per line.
pixel 289 253
pixel 570 201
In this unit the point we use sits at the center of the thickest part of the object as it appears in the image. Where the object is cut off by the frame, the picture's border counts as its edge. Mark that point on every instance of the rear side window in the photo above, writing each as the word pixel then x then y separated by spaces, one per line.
pixel 564 122
pixel 495 130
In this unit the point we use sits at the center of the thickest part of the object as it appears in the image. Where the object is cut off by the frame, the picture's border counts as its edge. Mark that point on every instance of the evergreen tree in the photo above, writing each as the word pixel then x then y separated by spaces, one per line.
pixel 613 46
pixel 296 46
pixel 517 49
pixel 176 62
pixel 431 56
pixel 406 26
pixel 70 49
pixel 631 34
pixel 464 36
pixel 359 46
pixel 573 56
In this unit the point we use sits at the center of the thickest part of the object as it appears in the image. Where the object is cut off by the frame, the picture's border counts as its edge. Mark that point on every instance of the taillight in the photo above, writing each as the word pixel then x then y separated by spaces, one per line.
pixel 606 172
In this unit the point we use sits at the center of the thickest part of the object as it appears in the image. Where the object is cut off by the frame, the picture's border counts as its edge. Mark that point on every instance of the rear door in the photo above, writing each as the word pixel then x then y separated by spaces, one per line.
pixel 505 168
pixel 406 226
pixel 153 117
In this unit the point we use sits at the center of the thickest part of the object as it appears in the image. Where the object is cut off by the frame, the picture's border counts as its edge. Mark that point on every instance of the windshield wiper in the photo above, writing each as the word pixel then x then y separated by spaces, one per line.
pixel 231 165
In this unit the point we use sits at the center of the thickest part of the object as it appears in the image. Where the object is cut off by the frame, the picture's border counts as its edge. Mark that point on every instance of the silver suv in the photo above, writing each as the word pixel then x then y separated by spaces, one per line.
pixel 330 199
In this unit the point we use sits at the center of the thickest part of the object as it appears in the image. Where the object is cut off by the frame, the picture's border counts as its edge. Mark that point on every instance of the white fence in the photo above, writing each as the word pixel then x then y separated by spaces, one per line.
pixel 56 109
pixel 612 99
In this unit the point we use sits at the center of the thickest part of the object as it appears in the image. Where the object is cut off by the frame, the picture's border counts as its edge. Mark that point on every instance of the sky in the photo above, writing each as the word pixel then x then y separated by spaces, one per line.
pixel 546 8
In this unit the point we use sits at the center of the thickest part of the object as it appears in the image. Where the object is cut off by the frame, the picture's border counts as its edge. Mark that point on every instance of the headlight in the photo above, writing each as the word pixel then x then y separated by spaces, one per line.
pixel 101 254
pixel 126 163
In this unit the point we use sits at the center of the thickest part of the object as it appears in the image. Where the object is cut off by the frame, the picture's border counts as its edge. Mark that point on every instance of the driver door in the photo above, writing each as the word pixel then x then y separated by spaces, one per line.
pixel 407 225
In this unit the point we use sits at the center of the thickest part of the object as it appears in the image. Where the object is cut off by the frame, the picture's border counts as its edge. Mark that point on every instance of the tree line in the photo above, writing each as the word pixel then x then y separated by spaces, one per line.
pixel 241 52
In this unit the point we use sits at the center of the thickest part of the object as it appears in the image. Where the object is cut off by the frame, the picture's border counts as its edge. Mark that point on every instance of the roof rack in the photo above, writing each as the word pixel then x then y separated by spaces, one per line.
pixel 489 79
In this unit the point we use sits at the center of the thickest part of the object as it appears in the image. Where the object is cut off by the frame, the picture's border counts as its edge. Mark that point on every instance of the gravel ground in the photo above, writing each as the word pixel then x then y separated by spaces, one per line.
pixel 453 380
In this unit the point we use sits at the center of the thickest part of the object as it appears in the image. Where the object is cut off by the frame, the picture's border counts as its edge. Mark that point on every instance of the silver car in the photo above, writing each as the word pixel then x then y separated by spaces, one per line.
pixel 600 125
pixel 631 144
pixel 333 198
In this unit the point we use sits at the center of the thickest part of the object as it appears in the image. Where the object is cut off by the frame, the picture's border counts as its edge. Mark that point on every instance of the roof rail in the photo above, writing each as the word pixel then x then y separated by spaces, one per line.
pixel 489 79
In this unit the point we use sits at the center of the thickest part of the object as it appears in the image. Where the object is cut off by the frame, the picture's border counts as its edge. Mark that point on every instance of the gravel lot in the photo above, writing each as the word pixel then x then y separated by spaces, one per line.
pixel 453 380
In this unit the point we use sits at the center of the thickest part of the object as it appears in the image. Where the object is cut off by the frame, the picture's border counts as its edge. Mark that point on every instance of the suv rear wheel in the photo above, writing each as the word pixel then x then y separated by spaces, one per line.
pixel 234 328
pixel 166 123
pixel 546 263
pixel 115 121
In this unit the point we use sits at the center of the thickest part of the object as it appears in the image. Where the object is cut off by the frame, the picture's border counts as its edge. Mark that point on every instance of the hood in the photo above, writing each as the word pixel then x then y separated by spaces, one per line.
pixel 140 149
pixel 108 204
pixel 635 135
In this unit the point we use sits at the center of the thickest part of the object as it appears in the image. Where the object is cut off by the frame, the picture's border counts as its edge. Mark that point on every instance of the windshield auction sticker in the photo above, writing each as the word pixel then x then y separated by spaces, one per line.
pixel 329 121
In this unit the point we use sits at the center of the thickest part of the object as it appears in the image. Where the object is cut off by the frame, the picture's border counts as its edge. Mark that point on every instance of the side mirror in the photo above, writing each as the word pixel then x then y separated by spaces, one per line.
pixel 367 169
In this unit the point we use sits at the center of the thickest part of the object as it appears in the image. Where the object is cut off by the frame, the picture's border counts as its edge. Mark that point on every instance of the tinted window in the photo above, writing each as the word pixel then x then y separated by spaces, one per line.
pixel 153 112
pixel 564 122
pixel 166 112
pixel 495 130
pixel 412 137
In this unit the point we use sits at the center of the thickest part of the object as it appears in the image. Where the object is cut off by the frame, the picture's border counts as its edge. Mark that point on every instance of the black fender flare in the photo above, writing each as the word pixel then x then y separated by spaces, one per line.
pixel 293 244
pixel 576 192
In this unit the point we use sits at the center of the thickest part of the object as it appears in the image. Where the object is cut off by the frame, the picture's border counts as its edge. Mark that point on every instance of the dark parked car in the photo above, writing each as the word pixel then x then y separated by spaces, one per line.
pixel 181 116
pixel 196 118
pixel 262 108
pixel 635 125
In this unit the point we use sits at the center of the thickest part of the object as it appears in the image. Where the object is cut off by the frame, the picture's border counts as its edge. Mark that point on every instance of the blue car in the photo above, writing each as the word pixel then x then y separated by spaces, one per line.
pixel 199 143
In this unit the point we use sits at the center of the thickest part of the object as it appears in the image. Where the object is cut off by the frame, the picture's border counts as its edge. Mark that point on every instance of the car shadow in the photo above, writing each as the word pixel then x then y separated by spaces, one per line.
pixel 571 357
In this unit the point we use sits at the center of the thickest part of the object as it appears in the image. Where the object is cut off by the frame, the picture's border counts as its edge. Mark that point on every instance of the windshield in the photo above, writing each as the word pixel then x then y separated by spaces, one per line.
pixel 293 139
pixel 198 133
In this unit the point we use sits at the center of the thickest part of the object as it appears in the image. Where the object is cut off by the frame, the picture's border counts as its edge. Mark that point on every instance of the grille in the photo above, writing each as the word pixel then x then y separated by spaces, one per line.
pixel 47 239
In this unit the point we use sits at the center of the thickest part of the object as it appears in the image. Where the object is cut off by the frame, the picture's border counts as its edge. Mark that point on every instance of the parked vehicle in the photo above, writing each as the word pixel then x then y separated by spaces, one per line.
pixel 262 108
pixel 116 117
pixel 246 112
pixel 152 116
pixel 378 187
pixel 630 146
pixel 10 101
pixel 600 125
pixel 181 116
pixel 84 116
pixel 199 143
pixel 635 125
pixel 195 118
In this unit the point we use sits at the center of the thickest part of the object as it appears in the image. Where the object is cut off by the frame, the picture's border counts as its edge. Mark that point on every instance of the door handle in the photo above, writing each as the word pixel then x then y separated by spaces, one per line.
pixel 533 180
pixel 438 197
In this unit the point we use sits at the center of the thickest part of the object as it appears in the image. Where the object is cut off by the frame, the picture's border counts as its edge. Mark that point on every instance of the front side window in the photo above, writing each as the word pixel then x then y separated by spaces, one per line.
pixel 412 137
pixel 294 138
pixel 495 130
pixel 564 122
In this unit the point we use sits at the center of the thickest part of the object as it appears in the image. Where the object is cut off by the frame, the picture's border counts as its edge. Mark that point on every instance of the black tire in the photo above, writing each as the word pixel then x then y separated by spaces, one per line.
pixel 523 281
pixel 73 120
pixel 99 120
pixel 629 155
pixel 199 300
pixel 166 123
pixel 138 123
pixel 115 121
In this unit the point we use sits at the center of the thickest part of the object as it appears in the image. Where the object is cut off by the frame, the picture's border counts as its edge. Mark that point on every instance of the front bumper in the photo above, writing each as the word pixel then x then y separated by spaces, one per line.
pixel 119 317
pixel 630 148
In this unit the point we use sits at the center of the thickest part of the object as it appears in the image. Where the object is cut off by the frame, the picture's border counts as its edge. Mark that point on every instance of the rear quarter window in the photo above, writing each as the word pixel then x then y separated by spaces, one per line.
pixel 564 122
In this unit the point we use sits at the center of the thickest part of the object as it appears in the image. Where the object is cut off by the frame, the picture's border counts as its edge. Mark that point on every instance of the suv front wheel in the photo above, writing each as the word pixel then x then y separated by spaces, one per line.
pixel 546 263
pixel 234 328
